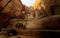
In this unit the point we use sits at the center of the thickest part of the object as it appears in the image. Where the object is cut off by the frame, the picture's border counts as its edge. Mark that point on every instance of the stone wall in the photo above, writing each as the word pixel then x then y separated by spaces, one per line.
pixel 57 7
pixel 47 6
pixel 13 8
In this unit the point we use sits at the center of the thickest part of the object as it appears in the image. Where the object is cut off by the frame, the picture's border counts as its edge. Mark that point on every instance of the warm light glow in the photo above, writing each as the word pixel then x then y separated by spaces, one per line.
pixel 28 2
pixel 36 4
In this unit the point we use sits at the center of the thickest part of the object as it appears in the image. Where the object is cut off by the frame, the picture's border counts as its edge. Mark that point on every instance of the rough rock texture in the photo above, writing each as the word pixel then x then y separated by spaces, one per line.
pixel 52 22
pixel 56 7
pixel 16 24
pixel 9 10
pixel 48 4
pixel 13 8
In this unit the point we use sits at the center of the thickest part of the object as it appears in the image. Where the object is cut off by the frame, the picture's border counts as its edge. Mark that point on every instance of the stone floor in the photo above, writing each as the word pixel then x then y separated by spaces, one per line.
pixel 21 34
pixel 18 36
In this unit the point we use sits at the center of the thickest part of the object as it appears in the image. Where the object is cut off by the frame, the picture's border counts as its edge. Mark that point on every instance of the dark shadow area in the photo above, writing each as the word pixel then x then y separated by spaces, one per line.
pixel 12 33
pixel 51 34
pixel 20 25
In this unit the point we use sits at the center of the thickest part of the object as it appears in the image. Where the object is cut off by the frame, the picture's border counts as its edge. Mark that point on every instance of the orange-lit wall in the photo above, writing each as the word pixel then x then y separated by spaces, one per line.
pixel 36 4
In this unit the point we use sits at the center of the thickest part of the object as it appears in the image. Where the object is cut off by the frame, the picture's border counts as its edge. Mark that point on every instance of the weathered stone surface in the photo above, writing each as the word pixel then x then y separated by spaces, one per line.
pixel 13 8
pixel 48 3
pixel 47 22
pixel 56 7
pixel 9 10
